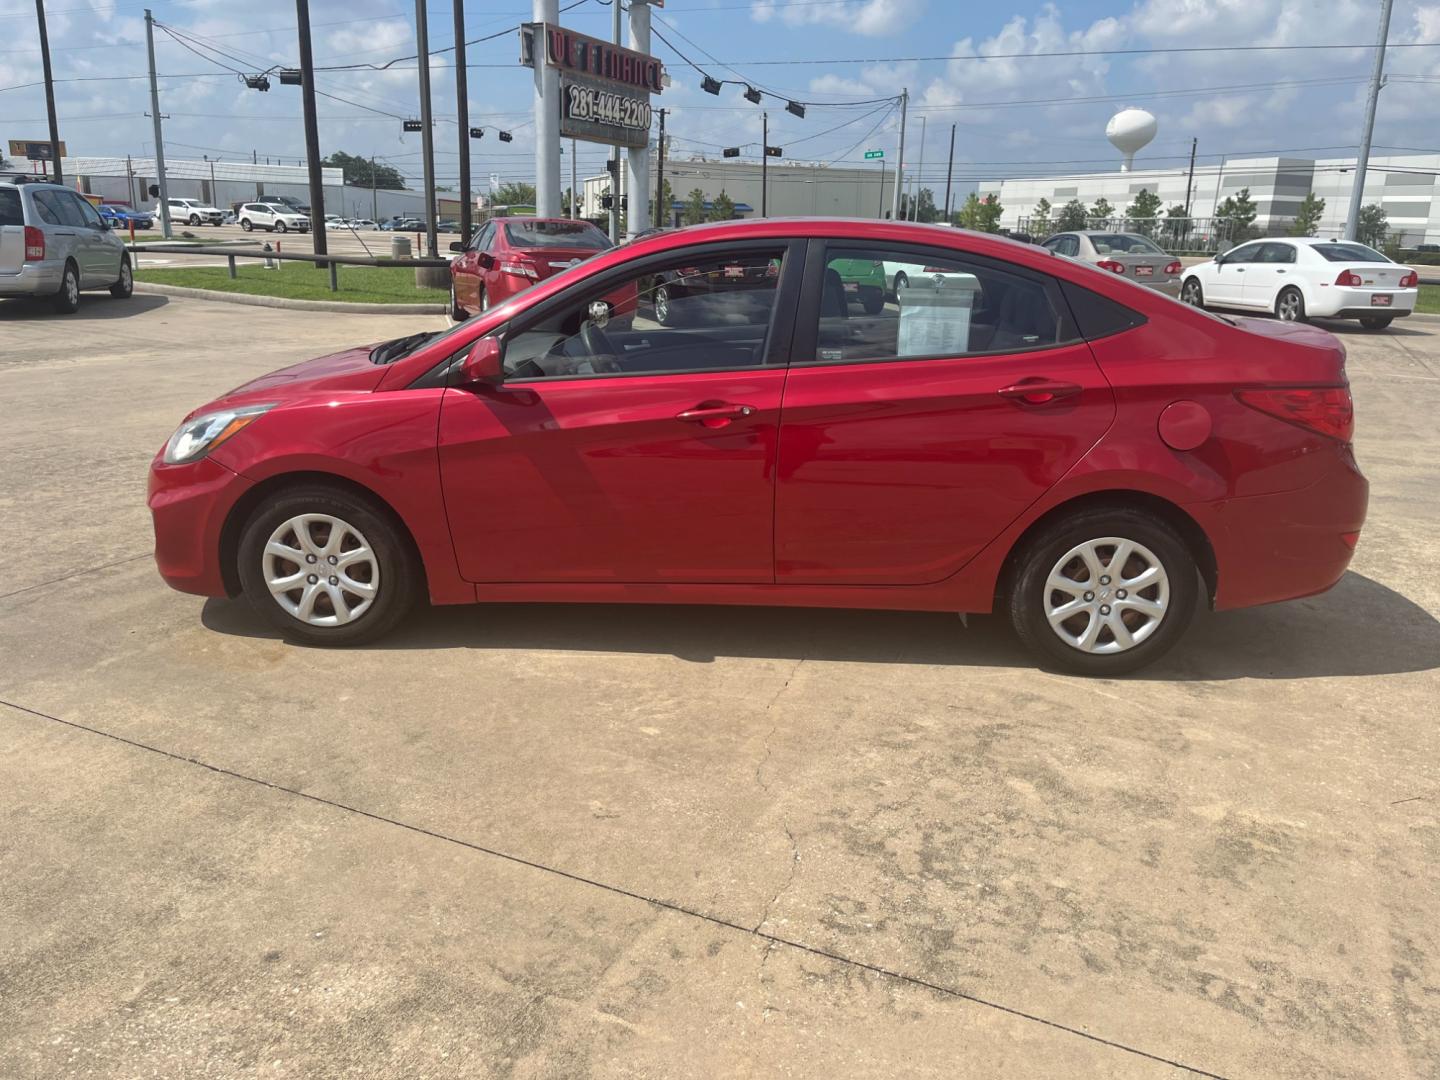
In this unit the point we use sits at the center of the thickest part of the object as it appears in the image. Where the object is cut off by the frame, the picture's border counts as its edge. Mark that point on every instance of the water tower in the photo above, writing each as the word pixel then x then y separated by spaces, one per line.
pixel 1128 131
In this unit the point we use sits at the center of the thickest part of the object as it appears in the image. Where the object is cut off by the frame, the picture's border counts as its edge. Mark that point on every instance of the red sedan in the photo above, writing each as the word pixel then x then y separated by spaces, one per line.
pixel 1012 431
pixel 508 255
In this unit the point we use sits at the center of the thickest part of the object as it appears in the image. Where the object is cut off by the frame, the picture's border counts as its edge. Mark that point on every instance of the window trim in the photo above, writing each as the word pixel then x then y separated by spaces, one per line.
pixel 807 317
pixel 778 336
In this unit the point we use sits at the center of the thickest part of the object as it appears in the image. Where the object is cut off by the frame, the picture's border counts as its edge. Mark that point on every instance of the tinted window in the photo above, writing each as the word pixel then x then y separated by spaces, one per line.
pixel 1348 252
pixel 1276 253
pixel 937 306
pixel 88 214
pixel 1071 246
pixel 1098 316
pixel 1243 254
pixel 56 208
pixel 556 234
pixel 11 212
pixel 1124 244
pixel 694 316
pixel 483 237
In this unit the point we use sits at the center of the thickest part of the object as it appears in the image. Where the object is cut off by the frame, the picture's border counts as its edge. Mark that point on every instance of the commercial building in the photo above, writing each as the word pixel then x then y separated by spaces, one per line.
pixel 1405 186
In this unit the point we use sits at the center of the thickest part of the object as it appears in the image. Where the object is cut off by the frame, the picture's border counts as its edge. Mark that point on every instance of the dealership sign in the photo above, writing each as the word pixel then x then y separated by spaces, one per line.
pixel 604 89
pixel 35 150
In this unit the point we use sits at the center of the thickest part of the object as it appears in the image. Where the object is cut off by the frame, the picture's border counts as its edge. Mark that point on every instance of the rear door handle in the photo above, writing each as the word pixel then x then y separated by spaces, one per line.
pixel 715 413
pixel 1037 391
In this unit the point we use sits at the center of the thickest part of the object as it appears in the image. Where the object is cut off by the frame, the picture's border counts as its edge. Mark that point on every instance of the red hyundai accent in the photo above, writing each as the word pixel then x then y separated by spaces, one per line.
pixel 508 255
pixel 1009 431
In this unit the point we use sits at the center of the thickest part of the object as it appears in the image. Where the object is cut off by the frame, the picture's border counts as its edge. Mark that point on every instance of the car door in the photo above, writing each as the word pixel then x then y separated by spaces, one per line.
pixel 620 450
pixel 467 269
pixel 1272 269
pixel 1226 280
pixel 64 233
pixel 911 438
pixel 101 250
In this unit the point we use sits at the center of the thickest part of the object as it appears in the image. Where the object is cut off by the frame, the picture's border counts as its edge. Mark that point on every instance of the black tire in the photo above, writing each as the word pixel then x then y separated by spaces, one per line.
pixel 398 571
pixel 124 288
pixel 457 313
pixel 67 298
pixel 1290 305
pixel 872 299
pixel 902 281
pixel 194 219
pixel 245 224
pixel 1028 594
pixel 484 299
pixel 1193 293
pixel 280 226
pixel 1376 322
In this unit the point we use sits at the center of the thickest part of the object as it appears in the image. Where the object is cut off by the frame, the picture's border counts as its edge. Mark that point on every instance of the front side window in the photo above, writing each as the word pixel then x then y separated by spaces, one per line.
pixel 556 234
pixel 1245 254
pixel 938 307
pixel 702 313
pixel 88 214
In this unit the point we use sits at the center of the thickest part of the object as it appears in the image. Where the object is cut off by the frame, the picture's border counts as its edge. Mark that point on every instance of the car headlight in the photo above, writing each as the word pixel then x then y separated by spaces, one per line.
pixel 196 438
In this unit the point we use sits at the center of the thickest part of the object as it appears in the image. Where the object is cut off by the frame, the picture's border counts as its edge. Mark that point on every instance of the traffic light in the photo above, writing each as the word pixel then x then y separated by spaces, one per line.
pixel 752 95
pixel 730 151
pixel 289 76
pixel 607 202
pixel 612 166
pixel 772 151
pixel 505 136
pixel 411 125
pixel 477 133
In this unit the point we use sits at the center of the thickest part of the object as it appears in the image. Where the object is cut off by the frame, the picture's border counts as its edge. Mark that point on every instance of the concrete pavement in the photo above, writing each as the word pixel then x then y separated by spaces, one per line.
pixel 569 841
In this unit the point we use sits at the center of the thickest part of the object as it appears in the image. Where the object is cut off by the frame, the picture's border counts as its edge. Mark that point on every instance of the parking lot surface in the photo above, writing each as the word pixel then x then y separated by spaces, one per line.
pixel 597 841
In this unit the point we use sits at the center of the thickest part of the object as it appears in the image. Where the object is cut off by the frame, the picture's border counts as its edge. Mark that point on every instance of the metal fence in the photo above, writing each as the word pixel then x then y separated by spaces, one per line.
pixel 329 262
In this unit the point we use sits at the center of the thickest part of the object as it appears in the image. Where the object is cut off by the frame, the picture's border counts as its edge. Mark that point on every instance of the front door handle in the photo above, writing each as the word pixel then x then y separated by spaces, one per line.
pixel 715 414
pixel 1037 391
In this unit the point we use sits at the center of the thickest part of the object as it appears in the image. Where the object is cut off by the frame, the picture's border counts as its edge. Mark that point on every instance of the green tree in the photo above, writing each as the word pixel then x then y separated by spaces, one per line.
pixel 722 208
pixel 1072 217
pixel 1101 212
pixel 1235 217
pixel 694 212
pixel 1177 226
pixel 1040 219
pixel 1143 214
pixel 513 195
pixel 1372 226
pixel 921 207
pixel 359 170
pixel 982 215
pixel 1307 217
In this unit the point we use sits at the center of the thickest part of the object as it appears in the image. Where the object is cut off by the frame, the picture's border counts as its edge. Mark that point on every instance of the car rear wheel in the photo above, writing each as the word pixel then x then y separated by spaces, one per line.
pixel 1376 322
pixel 1290 305
pixel 125 286
pixel 326 567
pixel 245 224
pixel 67 299
pixel 1104 592
pixel 1192 293
pixel 662 301
pixel 457 313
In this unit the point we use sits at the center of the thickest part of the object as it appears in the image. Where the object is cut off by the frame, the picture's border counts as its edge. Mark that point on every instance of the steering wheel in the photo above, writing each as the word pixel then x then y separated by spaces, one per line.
pixel 603 354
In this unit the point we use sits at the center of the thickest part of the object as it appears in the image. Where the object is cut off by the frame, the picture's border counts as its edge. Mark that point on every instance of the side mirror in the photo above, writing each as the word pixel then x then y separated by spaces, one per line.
pixel 481 365
pixel 486 260
pixel 455 245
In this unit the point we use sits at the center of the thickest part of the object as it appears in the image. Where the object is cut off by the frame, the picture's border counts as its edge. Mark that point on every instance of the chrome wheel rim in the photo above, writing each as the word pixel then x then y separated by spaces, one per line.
pixel 1106 595
pixel 321 570
pixel 72 287
pixel 1191 294
pixel 1289 308
pixel 125 276
pixel 662 304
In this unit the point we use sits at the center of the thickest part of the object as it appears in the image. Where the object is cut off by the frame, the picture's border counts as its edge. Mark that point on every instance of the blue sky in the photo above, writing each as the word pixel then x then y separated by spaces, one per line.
pixel 1014 116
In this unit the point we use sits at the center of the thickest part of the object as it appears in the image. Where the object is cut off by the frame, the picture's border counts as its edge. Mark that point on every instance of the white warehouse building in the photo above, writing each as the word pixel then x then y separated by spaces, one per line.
pixel 1403 185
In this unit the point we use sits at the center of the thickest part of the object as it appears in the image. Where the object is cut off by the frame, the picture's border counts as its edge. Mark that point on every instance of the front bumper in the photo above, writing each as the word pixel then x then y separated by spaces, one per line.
pixel 189 505
pixel 33 279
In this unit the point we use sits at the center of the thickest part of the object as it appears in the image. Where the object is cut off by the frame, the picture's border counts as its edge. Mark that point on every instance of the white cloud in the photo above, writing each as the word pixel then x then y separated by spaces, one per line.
pixel 872 18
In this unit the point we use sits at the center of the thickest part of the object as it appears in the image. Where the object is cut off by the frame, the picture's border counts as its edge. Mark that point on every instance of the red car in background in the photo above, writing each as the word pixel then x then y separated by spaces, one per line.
pixel 508 255
pixel 1013 432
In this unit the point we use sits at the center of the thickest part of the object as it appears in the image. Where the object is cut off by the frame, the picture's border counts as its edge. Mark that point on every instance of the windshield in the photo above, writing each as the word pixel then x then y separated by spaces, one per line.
pixel 1349 252
pixel 1124 243
pixel 556 234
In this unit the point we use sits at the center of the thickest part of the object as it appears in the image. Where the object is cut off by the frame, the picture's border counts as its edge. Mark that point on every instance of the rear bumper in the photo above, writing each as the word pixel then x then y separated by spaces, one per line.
pixel 189 505
pixel 1336 303
pixel 1168 286
pixel 1286 545
pixel 33 279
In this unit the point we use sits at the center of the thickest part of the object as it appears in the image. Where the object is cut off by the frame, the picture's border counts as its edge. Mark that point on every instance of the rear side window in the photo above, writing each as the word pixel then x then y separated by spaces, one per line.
pixel 1348 252
pixel 1098 316
pixel 55 208
pixel 900 304
pixel 11 212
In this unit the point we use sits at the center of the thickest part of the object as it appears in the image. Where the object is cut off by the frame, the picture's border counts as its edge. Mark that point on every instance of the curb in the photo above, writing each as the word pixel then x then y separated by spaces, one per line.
pixel 285 302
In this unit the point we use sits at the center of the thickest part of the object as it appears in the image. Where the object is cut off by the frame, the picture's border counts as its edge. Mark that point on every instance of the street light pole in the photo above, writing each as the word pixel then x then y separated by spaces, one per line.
pixel 49 90
pixel 1362 163
pixel 462 119
pixel 900 160
pixel 159 139
pixel 764 163
pixel 427 133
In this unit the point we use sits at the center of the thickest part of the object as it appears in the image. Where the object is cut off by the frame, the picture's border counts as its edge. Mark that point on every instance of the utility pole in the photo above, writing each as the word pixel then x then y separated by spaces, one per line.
pixel 427 133
pixel 1362 163
pixel 949 171
pixel 159 139
pixel 919 176
pixel 900 160
pixel 764 163
pixel 662 212
pixel 574 180
pixel 318 239
pixel 1190 183
pixel 880 211
pixel 130 183
pixel 49 89
pixel 462 119
pixel 374 197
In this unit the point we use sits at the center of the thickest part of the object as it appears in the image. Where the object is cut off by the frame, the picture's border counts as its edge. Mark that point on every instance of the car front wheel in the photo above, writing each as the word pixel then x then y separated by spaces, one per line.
pixel 280 226
pixel 1104 592
pixel 194 219
pixel 1192 293
pixel 326 567
pixel 245 224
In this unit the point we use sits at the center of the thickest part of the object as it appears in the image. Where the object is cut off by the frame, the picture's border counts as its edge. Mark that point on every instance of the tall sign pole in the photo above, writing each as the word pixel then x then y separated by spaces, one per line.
pixel 637 158
pixel 900 160
pixel 1190 181
pixel 159 138
pixel 949 172
pixel 50 89
pixel 547 116
pixel 662 212
pixel 764 164
pixel 462 119
pixel 312 132
pixel 1362 163
pixel 427 129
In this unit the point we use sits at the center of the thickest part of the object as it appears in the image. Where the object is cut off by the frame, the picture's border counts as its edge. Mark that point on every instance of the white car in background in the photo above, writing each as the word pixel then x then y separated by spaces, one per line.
pixel 274 217
pixel 191 212
pixel 1298 278
pixel 364 225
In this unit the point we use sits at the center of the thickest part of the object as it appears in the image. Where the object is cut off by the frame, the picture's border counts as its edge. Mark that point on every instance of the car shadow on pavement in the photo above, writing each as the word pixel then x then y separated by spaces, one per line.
pixel 1358 628
pixel 1351 328
pixel 93 306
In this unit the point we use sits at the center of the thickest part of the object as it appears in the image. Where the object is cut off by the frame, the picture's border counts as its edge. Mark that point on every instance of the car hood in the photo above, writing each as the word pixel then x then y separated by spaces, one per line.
pixel 349 370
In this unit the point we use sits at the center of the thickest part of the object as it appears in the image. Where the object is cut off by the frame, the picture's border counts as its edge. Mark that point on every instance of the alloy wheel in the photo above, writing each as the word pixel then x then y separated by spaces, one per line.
pixel 1106 595
pixel 1288 306
pixel 72 288
pixel 1190 293
pixel 321 570
pixel 662 304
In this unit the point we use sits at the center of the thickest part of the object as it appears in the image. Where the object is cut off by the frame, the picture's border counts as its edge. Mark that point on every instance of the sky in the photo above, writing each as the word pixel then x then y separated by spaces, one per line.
pixel 989 70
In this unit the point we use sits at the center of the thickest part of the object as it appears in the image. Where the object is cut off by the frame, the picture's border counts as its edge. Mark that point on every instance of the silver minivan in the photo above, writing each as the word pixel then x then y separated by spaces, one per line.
pixel 53 243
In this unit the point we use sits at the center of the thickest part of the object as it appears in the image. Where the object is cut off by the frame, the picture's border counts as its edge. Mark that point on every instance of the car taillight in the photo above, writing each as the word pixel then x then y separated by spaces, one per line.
pixel 34 244
pixel 1326 409
pixel 1410 280
pixel 935 270
pixel 1349 278
pixel 520 268
pixel 1111 265
pixel 1173 268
